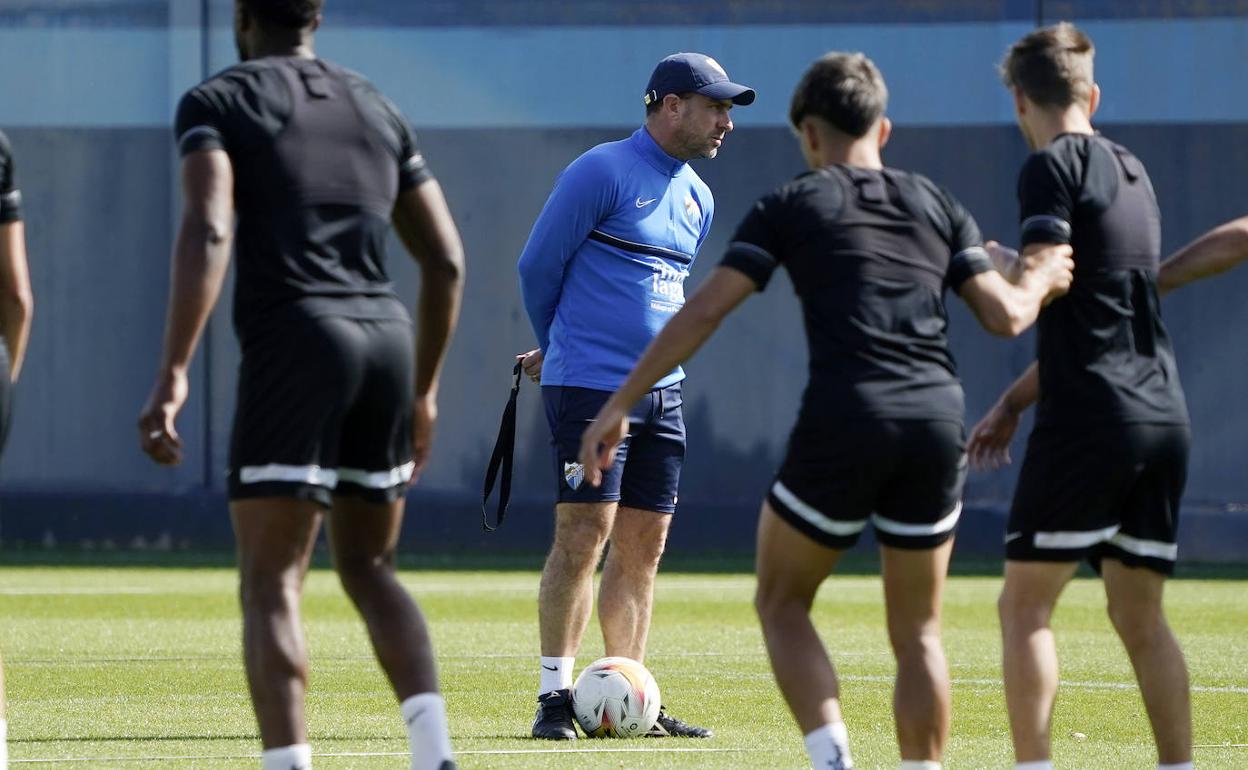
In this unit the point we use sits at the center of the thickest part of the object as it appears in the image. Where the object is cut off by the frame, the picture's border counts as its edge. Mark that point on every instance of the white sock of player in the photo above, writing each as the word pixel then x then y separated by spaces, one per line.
pixel 1043 764
pixel 4 745
pixel 1176 766
pixel 825 745
pixel 919 764
pixel 427 733
pixel 296 757
pixel 556 674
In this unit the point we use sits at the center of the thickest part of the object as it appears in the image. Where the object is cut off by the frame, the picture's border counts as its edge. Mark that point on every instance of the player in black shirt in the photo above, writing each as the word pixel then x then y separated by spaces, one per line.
pixel 16 308
pixel 1107 460
pixel 335 410
pixel 871 251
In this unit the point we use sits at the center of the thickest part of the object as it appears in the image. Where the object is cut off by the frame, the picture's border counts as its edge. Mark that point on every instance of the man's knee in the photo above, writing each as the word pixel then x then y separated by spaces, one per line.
pixel 360 575
pixel 580 533
pixel 1137 624
pixel 264 590
pixel 775 602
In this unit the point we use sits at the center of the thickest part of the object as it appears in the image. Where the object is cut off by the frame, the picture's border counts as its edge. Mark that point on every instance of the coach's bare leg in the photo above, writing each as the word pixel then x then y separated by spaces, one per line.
pixel 363 537
pixel 566 597
pixel 1135 607
pixel 275 540
pixel 914 582
pixel 1029 654
pixel 790 569
pixel 626 594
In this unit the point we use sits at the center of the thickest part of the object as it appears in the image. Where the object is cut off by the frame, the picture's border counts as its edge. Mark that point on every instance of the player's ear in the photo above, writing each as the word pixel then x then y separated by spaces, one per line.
pixel 316 24
pixel 671 104
pixel 886 131
pixel 1020 101
pixel 1094 99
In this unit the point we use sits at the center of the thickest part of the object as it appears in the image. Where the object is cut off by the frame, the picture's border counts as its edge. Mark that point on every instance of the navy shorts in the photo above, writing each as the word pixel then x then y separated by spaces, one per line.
pixel 325 408
pixel 646 472
pixel 904 477
pixel 1097 492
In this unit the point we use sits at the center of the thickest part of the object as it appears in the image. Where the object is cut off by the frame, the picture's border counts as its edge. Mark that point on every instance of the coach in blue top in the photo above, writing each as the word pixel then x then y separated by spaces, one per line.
pixel 603 271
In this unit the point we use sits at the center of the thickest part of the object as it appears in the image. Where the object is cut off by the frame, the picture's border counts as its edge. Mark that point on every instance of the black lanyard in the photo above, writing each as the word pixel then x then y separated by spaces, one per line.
pixel 504 449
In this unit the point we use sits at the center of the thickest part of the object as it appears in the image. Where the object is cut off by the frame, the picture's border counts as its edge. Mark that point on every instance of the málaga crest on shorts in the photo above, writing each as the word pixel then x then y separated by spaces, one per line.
pixel 573 474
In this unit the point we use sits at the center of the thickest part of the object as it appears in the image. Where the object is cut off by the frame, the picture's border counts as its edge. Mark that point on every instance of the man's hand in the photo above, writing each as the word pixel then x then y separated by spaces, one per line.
pixel 1053 266
pixel 989 444
pixel 424 416
pixel 599 443
pixel 531 363
pixel 1005 260
pixel 157 435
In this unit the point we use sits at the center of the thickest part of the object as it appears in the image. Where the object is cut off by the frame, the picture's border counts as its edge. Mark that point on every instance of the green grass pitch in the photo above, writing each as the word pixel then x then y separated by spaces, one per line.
pixel 136 667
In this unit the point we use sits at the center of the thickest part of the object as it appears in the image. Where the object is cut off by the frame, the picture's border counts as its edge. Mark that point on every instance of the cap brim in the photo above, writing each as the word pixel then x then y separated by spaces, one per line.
pixel 725 89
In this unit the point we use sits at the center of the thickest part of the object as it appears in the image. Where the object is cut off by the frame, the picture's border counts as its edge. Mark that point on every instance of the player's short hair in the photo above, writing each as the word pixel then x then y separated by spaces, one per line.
pixel 285 14
pixel 1052 66
pixel 845 89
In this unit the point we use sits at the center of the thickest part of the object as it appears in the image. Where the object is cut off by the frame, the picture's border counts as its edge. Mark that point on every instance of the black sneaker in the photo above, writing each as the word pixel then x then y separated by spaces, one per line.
pixel 668 726
pixel 554 717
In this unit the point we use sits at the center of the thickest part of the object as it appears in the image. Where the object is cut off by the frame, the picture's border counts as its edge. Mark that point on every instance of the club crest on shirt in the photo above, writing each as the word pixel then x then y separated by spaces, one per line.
pixel 693 210
pixel 573 474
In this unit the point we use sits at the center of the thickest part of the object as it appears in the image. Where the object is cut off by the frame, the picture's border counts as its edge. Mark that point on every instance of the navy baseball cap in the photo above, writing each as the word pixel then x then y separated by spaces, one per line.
pixel 683 73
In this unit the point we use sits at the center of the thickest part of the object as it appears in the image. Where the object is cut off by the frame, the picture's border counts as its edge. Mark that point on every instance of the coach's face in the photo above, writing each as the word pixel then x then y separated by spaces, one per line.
pixel 701 125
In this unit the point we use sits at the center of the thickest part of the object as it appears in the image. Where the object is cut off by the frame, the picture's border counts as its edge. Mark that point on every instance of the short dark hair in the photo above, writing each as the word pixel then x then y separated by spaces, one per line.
pixel 285 14
pixel 845 89
pixel 1052 66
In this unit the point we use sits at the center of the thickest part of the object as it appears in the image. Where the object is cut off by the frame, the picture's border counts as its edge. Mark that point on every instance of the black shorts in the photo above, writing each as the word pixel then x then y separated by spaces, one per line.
pixel 1099 492
pixel 325 408
pixel 904 476
pixel 646 472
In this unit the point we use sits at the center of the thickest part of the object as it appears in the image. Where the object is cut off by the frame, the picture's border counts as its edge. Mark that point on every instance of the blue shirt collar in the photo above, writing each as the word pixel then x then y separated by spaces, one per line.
pixel 653 154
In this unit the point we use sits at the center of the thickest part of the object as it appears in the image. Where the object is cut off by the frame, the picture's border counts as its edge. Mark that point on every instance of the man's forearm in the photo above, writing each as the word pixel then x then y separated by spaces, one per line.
pixel 16 301
pixel 438 313
pixel 1215 252
pixel 1024 392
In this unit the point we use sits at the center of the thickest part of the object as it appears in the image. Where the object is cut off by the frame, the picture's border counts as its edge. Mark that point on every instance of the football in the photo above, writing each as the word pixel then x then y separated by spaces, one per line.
pixel 615 698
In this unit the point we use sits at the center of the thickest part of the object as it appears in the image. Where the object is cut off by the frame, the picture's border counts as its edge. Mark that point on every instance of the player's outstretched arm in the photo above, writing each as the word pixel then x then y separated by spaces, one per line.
pixel 680 338
pixel 424 224
pixel 989 445
pixel 201 256
pixel 1217 251
pixel 1008 309
pixel 17 305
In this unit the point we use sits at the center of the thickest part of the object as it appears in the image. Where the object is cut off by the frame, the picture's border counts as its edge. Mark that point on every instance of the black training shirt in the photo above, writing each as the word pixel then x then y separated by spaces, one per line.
pixel 319 157
pixel 870 253
pixel 1104 354
pixel 10 196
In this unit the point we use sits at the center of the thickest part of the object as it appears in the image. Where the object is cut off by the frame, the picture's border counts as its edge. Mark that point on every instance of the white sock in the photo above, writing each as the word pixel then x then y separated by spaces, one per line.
pixel 556 674
pixel 1042 764
pixel 4 745
pixel 1176 766
pixel 919 764
pixel 427 733
pixel 297 757
pixel 827 745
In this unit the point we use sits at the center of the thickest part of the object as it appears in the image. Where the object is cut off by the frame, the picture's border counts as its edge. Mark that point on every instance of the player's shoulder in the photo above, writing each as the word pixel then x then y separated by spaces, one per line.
pixel 6 149
pixel 1066 154
pixel 603 163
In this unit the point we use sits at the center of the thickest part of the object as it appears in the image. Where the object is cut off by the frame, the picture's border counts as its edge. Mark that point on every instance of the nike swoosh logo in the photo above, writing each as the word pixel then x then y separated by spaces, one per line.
pixel 1013 536
pixel 642 204
pixel 550 668
pixel 412 720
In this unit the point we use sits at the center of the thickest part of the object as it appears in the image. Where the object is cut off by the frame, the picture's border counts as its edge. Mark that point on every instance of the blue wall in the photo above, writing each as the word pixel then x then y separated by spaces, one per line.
pixel 502 100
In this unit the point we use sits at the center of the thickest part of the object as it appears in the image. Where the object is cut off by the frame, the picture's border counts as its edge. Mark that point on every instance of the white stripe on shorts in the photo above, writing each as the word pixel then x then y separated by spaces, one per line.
pixel 1070 540
pixel 814 517
pixel 302 474
pixel 1152 548
pixel 903 529
pixel 378 479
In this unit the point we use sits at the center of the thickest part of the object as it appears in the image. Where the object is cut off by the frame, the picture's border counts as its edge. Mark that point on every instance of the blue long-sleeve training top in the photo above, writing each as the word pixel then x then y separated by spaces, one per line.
pixel 605 266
